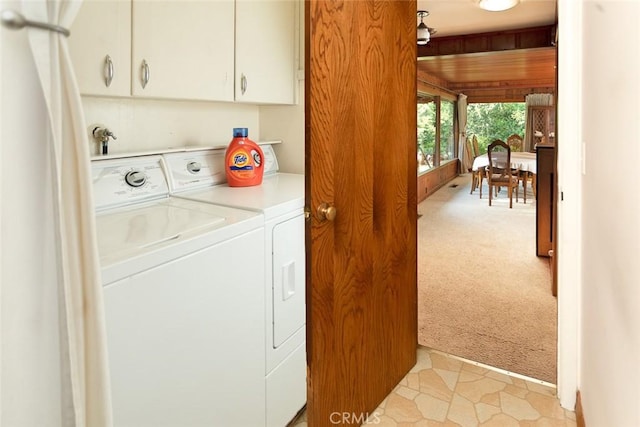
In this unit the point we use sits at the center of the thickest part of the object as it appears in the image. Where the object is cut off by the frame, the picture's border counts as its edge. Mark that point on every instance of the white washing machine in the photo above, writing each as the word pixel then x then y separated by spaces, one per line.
pixel 182 310
pixel 280 199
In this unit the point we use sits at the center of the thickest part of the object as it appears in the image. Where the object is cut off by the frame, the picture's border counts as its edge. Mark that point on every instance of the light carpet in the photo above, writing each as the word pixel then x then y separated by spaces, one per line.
pixel 483 294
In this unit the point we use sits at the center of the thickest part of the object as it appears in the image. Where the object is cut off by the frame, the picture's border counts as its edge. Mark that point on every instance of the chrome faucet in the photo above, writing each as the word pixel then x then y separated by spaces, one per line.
pixel 102 136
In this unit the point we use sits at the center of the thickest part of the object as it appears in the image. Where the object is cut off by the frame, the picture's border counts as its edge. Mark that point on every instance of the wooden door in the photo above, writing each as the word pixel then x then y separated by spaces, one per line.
pixel 361 160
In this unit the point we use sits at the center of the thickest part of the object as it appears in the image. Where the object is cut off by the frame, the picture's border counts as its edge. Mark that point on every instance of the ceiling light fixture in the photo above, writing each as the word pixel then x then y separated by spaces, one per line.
pixel 424 32
pixel 497 5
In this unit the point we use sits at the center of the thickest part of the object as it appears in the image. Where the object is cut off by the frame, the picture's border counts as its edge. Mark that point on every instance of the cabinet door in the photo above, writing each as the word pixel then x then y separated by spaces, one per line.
pixel 102 28
pixel 265 51
pixel 188 49
pixel 542 124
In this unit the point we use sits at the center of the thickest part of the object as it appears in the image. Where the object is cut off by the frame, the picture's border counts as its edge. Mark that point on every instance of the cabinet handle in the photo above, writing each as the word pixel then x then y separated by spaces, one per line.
pixel 145 73
pixel 243 84
pixel 108 71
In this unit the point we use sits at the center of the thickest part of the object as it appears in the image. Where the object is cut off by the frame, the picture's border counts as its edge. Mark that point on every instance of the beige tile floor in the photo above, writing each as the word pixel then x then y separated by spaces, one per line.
pixel 443 390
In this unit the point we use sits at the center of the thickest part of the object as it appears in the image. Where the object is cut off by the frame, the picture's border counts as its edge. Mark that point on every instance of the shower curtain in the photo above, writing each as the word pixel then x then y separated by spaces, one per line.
pixel 53 332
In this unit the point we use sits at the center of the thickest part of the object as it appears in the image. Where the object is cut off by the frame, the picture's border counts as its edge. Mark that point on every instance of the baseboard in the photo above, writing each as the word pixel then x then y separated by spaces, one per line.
pixel 579 414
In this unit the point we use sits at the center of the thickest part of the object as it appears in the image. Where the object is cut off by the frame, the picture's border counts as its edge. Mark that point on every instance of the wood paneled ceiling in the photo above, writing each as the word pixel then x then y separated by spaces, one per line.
pixel 491 57
pixel 492 67
pixel 516 67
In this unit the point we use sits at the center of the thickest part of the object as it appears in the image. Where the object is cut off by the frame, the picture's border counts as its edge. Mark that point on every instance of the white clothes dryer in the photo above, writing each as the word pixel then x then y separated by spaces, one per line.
pixel 180 310
pixel 280 199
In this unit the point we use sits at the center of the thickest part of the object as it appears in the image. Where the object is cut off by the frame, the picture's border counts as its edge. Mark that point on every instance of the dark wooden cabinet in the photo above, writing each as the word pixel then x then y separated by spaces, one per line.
pixel 545 199
pixel 541 124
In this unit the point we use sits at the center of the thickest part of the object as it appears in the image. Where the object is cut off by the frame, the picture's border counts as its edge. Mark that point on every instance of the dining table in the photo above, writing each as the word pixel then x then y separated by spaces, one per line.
pixel 524 161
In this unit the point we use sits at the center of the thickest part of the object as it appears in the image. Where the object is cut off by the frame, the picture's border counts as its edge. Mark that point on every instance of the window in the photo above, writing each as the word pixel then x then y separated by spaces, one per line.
pixel 447 145
pixel 436 135
pixel 491 121
pixel 426 134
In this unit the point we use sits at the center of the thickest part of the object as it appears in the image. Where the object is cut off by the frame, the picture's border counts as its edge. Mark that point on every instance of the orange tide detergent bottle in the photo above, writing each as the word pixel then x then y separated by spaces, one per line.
pixel 243 160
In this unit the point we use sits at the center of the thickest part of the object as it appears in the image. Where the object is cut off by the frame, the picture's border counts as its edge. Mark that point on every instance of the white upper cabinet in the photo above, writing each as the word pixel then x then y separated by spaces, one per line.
pixel 210 50
pixel 100 45
pixel 265 51
pixel 183 49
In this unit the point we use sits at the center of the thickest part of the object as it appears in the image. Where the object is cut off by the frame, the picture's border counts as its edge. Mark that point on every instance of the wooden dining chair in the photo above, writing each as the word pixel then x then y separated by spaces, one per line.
pixel 515 142
pixel 480 173
pixel 470 157
pixel 476 175
pixel 468 153
pixel 499 172
pixel 476 148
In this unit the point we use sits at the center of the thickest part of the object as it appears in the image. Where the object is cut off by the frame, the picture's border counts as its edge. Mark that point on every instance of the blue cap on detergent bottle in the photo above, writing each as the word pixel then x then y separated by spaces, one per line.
pixel 240 132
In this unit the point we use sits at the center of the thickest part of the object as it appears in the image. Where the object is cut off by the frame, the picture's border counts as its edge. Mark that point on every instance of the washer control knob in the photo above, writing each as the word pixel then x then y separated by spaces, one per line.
pixel 194 167
pixel 135 178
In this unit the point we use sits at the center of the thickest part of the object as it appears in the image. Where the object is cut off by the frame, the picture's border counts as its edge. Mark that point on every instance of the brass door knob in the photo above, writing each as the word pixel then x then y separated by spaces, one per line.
pixel 326 212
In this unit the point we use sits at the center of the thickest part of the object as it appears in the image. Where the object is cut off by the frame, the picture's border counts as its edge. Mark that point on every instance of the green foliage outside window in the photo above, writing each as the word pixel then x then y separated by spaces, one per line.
pixel 447 138
pixel 427 128
pixel 495 121
pixel 487 121
pixel 427 132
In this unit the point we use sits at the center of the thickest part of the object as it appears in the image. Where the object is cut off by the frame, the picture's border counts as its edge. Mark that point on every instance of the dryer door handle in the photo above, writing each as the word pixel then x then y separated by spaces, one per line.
pixel 288 280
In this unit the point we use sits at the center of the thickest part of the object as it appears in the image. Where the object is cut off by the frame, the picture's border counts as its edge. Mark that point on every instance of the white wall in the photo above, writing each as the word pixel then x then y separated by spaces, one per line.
pixel 147 125
pixel 609 379
pixel 569 230
pixel 286 123
pixel 142 125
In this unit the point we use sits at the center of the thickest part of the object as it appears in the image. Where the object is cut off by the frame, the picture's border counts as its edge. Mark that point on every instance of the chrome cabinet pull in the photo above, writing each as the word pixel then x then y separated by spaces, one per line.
pixel 108 71
pixel 145 73
pixel 243 84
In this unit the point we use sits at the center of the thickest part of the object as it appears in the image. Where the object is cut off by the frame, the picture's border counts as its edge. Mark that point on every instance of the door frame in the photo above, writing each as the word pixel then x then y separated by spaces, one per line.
pixel 569 204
